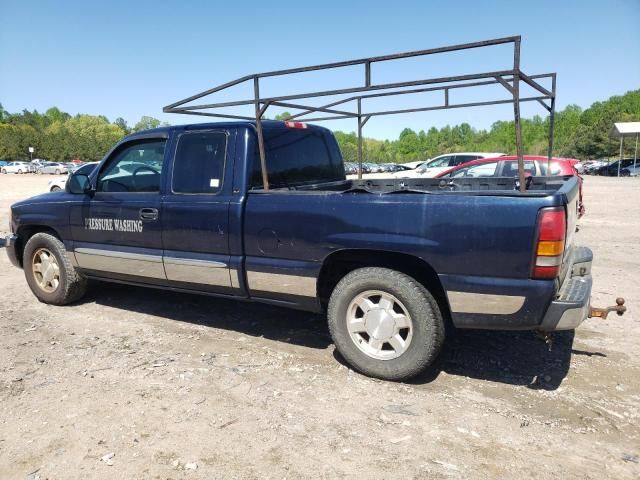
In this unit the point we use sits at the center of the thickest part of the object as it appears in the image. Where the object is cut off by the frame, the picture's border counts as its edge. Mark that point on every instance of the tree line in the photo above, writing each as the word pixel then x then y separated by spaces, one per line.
pixel 57 135
pixel 579 133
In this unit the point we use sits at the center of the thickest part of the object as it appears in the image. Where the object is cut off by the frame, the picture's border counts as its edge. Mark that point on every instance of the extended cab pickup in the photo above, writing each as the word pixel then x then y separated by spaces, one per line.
pixel 184 208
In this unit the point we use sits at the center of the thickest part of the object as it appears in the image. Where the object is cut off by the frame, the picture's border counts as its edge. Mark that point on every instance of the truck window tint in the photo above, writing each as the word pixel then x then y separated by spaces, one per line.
pixel 134 168
pixel 298 156
pixel 199 163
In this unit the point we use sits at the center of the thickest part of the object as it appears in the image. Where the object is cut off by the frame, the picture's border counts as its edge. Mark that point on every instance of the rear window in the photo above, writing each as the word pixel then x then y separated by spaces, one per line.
pixel 297 156
pixel 199 162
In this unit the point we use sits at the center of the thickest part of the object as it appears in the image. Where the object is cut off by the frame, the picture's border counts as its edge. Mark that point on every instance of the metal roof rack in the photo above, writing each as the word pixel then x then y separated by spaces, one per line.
pixel 510 79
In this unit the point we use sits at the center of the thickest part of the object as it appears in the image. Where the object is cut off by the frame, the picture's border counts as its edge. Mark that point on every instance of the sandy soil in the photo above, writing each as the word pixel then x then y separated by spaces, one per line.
pixel 179 386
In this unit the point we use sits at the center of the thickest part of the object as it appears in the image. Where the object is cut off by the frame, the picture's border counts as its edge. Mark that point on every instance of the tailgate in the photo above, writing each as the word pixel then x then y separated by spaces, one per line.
pixel 571 193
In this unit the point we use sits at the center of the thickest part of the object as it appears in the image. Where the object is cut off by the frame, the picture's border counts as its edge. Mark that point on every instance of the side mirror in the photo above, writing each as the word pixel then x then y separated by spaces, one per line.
pixel 78 184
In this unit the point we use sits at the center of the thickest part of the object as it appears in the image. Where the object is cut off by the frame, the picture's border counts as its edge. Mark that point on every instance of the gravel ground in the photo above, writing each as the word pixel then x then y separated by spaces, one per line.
pixel 134 383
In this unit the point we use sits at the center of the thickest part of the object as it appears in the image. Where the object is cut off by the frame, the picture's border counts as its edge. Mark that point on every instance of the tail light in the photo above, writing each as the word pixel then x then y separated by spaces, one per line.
pixel 295 125
pixel 552 227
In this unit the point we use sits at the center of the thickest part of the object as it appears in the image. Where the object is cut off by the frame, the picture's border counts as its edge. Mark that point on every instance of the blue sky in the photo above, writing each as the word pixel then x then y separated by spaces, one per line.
pixel 130 58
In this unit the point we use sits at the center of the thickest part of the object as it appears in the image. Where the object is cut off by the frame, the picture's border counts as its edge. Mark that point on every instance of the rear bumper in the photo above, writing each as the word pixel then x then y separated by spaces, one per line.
pixel 10 245
pixel 571 305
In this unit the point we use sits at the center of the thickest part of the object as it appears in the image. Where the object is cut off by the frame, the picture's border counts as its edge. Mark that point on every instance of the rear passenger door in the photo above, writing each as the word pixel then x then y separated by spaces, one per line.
pixel 196 212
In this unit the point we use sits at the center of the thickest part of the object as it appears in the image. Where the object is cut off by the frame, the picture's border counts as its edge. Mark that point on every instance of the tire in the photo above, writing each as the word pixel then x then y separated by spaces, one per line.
pixel 55 188
pixel 57 172
pixel 4 171
pixel 19 172
pixel 71 285
pixel 422 341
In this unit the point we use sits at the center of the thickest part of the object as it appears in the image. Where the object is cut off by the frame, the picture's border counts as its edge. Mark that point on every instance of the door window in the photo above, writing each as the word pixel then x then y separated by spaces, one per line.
pixel 199 163
pixel 134 168
pixel 441 162
pixel 460 159
pixel 510 168
pixel 479 170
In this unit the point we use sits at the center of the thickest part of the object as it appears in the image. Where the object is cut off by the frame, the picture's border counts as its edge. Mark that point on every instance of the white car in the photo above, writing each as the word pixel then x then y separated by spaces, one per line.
pixel 634 171
pixel 58 184
pixel 436 165
pixel 17 167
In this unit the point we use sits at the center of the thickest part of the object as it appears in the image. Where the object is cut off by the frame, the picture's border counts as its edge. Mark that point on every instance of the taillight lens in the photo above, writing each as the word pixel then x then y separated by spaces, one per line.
pixel 552 227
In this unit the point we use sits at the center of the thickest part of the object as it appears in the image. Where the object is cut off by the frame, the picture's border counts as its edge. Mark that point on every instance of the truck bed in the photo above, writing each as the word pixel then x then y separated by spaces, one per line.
pixel 506 186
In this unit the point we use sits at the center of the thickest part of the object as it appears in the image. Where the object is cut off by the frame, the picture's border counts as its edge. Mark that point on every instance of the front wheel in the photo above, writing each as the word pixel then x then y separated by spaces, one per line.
pixel 19 172
pixel 55 188
pixel 385 323
pixel 49 273
pixel 4 171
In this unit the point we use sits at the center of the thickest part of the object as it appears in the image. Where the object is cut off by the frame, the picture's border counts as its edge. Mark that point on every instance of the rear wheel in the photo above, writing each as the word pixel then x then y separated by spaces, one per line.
pixel 57 172
pixel 55 188
pixel 19 172
pixel 385 323
pixel 4 170
pixel 49 273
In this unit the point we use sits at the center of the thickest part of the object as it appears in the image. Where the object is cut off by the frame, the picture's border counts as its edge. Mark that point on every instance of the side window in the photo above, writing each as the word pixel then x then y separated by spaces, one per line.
pixel 135 168
pixel 510 168
pixel 441 162
pixel 460 159
pixel 479 170
pixel 199 163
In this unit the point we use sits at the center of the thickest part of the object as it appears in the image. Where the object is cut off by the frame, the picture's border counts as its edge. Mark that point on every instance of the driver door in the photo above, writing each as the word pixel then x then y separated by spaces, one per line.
pixel 117 230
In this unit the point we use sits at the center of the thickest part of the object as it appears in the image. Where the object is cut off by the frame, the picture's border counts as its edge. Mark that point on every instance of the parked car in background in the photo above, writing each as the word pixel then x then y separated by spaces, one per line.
pixel 58 184
pixel 17 167
pixel 591 166
pixel 350 168
pixel 53 168
pixel 634 171
pixel 441 163
pixel 611 170
pixel 3 163
pixel 507 166
pixel 413 165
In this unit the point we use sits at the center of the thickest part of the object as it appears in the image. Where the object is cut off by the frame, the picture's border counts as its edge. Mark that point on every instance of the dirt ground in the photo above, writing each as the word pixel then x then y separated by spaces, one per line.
pixel 180 386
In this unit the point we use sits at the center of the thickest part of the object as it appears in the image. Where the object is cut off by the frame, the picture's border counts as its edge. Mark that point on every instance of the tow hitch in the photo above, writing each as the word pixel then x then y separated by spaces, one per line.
pixel 603 312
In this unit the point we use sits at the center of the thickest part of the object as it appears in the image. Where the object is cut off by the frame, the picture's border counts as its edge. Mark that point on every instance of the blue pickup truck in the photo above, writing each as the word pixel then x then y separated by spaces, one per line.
pixel 391 262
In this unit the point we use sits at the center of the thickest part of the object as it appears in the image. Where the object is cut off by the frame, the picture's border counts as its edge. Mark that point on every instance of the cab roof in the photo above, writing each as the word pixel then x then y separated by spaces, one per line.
pixel 166 131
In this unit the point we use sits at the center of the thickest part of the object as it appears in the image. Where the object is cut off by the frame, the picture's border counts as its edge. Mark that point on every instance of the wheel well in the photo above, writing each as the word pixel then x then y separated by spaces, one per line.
pixel 26 232
pixel 340 263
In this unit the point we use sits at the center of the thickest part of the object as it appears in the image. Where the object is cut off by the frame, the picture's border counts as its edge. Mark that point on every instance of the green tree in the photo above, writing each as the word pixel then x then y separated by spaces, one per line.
pixel 146 123
pixel 283 116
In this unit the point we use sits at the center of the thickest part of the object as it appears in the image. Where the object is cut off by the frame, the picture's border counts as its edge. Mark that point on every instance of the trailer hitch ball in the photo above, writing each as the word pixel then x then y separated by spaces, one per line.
pixel 619 308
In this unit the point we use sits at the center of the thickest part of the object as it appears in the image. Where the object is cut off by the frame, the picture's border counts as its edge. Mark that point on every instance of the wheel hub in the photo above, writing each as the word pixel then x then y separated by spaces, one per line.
pixel 379 324
pixel 46 270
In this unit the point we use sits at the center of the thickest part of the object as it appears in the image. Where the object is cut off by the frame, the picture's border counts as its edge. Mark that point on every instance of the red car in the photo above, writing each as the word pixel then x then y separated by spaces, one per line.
pixel 534 165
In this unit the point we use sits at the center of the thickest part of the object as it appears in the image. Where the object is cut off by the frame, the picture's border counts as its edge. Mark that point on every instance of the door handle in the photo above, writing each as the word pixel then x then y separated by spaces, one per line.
pixel 148 214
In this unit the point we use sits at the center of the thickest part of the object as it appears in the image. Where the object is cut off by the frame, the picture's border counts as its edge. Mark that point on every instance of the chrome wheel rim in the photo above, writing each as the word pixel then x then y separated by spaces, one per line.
pixel 46 271
pixel 379 325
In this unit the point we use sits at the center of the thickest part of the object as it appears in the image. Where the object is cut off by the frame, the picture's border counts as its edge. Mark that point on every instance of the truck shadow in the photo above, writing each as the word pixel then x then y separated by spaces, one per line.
pixel 253 319
pixel 515 358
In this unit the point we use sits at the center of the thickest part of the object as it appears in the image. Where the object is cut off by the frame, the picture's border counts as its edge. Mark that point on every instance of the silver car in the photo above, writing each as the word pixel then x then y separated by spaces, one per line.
pixel 54 167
